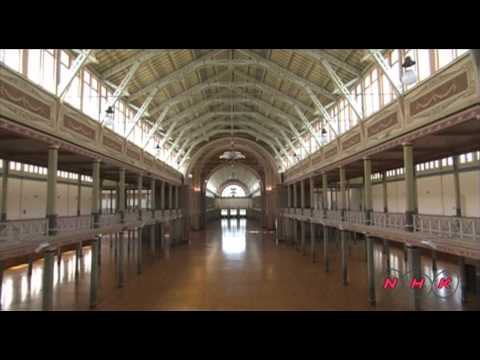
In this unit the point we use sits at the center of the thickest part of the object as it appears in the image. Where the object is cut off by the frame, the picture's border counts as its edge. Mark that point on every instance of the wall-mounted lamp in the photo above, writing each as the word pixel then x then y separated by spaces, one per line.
pixel 196 189
pixel 268 188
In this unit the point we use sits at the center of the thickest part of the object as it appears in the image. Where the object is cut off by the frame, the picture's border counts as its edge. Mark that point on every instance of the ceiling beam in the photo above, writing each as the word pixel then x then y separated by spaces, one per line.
pixel 386 69
pixel 155 127
pixel 274 92
pixel 80 61
pixel 120 90
pixel 342 88
pixel 280 71
pixel 136 59
pixel 175 75
pixel 140 113
pixel 320 55
pixel 186 95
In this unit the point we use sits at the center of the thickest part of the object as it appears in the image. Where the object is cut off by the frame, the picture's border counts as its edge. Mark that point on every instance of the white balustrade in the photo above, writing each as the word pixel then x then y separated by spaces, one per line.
pixel 131 216
pixel 389 220
pixel 334 215
pixel 66 224
pixel 109 219
pixel 466 228
pixel 355 217
pixel 18 230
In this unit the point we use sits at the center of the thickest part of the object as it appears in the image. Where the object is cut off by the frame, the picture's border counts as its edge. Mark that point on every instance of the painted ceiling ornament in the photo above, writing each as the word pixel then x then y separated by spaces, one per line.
pixel 232 154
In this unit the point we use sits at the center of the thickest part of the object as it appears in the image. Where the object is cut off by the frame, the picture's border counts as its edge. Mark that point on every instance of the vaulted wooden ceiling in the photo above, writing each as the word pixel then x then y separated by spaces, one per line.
pixel 224 92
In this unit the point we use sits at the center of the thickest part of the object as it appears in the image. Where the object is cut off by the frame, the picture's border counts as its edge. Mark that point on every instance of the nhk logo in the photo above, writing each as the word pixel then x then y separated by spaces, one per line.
pixel 443 284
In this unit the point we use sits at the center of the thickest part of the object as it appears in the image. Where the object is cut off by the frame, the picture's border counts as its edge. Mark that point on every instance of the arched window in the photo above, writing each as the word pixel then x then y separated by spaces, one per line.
pixel 233 191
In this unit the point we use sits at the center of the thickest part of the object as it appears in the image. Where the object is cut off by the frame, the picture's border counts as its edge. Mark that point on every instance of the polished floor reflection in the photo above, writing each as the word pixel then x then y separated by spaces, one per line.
pixel 234 264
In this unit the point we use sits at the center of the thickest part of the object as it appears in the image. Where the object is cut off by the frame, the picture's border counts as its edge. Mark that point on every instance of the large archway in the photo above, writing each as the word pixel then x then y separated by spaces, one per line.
pixel 206 161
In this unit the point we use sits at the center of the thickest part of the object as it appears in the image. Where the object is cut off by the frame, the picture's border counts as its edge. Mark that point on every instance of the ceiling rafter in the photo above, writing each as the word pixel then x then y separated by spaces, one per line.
pixel 175 75
pixel 138 58
pixel 320 55
pixel 287 74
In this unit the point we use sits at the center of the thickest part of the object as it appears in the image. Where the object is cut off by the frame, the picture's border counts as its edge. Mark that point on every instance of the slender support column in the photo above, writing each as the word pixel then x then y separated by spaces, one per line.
pixel 78 256
pixel 434 262
pixel 96 193
pixel 324 195
pixel 302 195
pixel 1 282
pixel 139 191
pixel 342 201
pixel 325 248
pixel 162 196
pixel 120 259
pixel 410 186
pixel 5 175
pixel 456 184
pixel 170 196
pixel 121 196
pixel 344 257
pixel 52 189
pixel 343 239
pixel 47 280
pixel 386 249
pixel 94 272
pixel 30 268
pixel 140 250
pixel 79 194
pixel 367 189
pixel 294 188
pixel 302 236
pixel 59 257
pixel 153 249
pixel 370 270
pixel 385 191
pixel 463 278
pixel 312 195
pixel 289 196
pixel 177 198
pixel 415 271
pixel 312 240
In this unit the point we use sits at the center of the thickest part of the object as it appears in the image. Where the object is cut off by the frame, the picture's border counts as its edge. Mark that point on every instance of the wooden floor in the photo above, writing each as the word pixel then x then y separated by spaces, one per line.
pixel 233 265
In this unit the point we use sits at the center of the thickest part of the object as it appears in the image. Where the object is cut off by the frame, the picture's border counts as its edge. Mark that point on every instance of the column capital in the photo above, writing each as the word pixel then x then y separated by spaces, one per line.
pixel 53 146
pixel 407 144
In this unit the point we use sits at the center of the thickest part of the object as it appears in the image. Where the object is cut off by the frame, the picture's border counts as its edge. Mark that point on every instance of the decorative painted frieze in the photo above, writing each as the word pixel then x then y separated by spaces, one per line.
pixel 351 141
pixel 19 98
pixel 112 143
pixel 439 94
pixel 382 125
pixel 78 127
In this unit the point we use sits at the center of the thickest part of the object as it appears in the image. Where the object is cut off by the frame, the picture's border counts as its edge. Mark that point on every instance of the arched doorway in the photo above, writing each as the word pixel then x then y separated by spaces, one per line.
pixel 255 159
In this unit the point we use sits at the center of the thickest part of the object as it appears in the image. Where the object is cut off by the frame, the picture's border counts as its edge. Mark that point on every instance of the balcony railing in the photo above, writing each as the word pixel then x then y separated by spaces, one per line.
pixel 448 226
pixel 355 217
pixel 67 224
pixel 389 220
pixel 334 215
pixel 317 213
pixel 18 230
pixel 131 216
pixel 108 219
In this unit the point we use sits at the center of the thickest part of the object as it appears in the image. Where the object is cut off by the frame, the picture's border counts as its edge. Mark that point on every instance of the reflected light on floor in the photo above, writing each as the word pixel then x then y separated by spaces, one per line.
pixel 234 236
